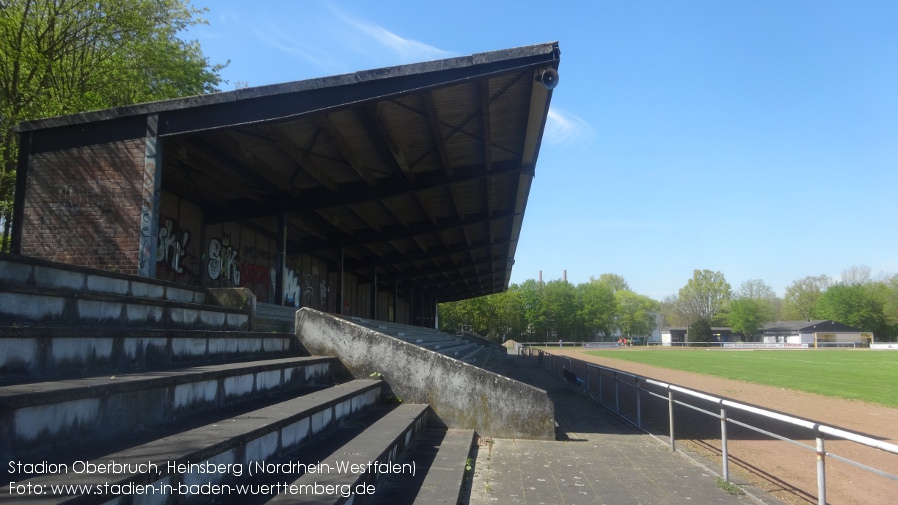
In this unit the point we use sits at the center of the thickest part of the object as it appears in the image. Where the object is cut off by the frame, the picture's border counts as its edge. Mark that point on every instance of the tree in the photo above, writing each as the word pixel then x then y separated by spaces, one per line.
pixel 671 311
pixel 66 56
pixel 857 274
pixel 535 311
pixel 755 289
pixel 562 310
pixel 855 305
pixel 801 297
pixel 703 296
pixel 613 281
pixel 636 314
pixel 746 316
pixel 699 331
pixel 769 304
pixel 598 309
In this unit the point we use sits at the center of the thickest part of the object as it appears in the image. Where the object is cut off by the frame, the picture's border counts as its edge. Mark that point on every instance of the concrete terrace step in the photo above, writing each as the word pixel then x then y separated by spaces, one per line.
pixel 40 353
pixel 480 357
pixel 468 348
pixel 35 291
pixel 230 445
pixel 473 352
pixel 443 344
pixel 64 414
pixel 382 442
pixel 61 307
pixel 441 457
pixel 412 336
pixel 461 351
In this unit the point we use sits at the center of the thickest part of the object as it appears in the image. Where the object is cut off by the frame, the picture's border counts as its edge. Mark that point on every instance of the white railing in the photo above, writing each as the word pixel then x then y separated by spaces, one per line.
pixel 678 395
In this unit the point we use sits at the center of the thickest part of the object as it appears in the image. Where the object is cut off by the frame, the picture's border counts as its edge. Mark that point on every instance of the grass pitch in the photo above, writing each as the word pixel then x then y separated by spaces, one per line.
pixel 870 376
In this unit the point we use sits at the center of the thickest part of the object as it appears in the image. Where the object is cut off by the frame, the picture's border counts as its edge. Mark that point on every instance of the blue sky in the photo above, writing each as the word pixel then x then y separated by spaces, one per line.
pixel 756 138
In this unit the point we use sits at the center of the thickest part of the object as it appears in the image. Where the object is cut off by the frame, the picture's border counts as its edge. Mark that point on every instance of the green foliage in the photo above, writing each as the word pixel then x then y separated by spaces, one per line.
pixel 702 298
pixel 63 57
pixel 700 331
pixel 801 297
pixel 541 311
pixel 613 281
pixel 729 487
pixel 598 309
pixel 636 313
pixel 855 305
pixel 604 307
pixel 746 316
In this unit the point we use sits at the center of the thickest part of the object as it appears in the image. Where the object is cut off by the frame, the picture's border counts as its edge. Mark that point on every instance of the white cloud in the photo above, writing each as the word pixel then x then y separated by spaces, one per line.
pixel 375 38
pixel 288 44
pixel 567 129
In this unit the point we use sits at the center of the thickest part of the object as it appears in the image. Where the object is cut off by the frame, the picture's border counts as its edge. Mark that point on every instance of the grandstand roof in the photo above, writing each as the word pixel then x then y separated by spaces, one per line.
pixel 417 174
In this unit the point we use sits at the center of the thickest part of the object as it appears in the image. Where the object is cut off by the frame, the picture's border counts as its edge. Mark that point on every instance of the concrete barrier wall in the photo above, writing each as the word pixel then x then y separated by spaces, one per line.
pixel 461 395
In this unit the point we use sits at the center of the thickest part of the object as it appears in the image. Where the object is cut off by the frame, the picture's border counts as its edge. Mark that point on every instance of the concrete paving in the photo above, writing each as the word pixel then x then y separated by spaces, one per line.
pixel 598 459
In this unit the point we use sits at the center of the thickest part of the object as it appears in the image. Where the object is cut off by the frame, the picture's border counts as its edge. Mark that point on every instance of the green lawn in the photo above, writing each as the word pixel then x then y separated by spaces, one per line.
pixel 871 376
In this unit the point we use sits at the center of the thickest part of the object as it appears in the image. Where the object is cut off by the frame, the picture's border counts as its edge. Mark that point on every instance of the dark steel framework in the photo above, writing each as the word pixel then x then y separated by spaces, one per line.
pixel 412 177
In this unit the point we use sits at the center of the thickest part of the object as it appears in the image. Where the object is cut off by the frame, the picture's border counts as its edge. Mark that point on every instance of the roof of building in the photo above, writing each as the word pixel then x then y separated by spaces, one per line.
pixel 415 175
pixel 806 326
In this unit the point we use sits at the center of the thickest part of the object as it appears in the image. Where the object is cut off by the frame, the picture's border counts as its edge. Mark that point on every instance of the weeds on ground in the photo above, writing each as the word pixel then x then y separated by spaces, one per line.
pixel 729 487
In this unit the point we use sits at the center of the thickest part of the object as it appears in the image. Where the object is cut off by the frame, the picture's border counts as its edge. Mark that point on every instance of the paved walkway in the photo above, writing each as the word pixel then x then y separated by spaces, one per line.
pixel 599 460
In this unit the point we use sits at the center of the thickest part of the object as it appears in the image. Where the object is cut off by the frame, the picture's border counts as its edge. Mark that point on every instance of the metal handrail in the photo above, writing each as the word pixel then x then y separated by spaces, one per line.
pixel 819 429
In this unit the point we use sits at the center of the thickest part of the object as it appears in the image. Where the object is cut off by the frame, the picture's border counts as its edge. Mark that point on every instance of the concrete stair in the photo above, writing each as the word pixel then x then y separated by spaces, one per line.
pixel 466 348
pixel 39 292
pixel 167 415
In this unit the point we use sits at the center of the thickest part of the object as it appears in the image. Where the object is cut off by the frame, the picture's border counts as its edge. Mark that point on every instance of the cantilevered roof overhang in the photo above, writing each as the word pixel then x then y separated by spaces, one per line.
pixel 419 172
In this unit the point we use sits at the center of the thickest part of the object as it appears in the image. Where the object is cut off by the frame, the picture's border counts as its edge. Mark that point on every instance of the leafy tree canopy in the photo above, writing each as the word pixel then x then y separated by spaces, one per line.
pixel 746 316
pixel 66 56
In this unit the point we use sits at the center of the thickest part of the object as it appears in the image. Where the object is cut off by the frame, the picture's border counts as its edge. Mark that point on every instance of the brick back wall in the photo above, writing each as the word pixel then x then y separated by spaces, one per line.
pixel 179 240
pixel 82 205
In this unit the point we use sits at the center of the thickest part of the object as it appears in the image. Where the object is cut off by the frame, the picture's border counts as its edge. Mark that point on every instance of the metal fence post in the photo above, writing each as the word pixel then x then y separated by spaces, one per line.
pixel 821 467
pixel 723 442
pixel 670 415
pixel 587 382
pixel 638 405
pixel 616 394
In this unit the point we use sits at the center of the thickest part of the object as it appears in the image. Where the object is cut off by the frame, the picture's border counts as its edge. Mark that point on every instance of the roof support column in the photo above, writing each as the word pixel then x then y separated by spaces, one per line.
pixel 18 209
pixel 279 283
pixel 374 293
pixel 395 301
pixel 342 299
pixel 149 200
pixel 436 314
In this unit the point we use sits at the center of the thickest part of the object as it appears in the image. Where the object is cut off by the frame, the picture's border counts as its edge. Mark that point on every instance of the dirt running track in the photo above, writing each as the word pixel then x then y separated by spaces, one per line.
pixel 786 471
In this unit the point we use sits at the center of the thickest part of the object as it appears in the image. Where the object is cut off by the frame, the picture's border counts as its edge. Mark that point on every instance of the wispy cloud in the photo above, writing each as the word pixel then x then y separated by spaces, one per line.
pixel 564 128
pixel 380 44
pixel 295 47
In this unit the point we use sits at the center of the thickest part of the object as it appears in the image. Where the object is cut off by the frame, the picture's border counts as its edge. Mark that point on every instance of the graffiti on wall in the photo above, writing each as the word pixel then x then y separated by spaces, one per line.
pixel 254 273
pixel 223 260
pixel 292 289
pixel 322 301
pixel 172 246
pixel 309 291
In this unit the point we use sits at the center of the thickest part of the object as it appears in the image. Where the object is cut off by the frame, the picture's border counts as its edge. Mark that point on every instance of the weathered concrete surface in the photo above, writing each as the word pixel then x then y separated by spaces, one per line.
pixel 39 292
pixel 43 353
pixel 64 415
pixel 462 395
